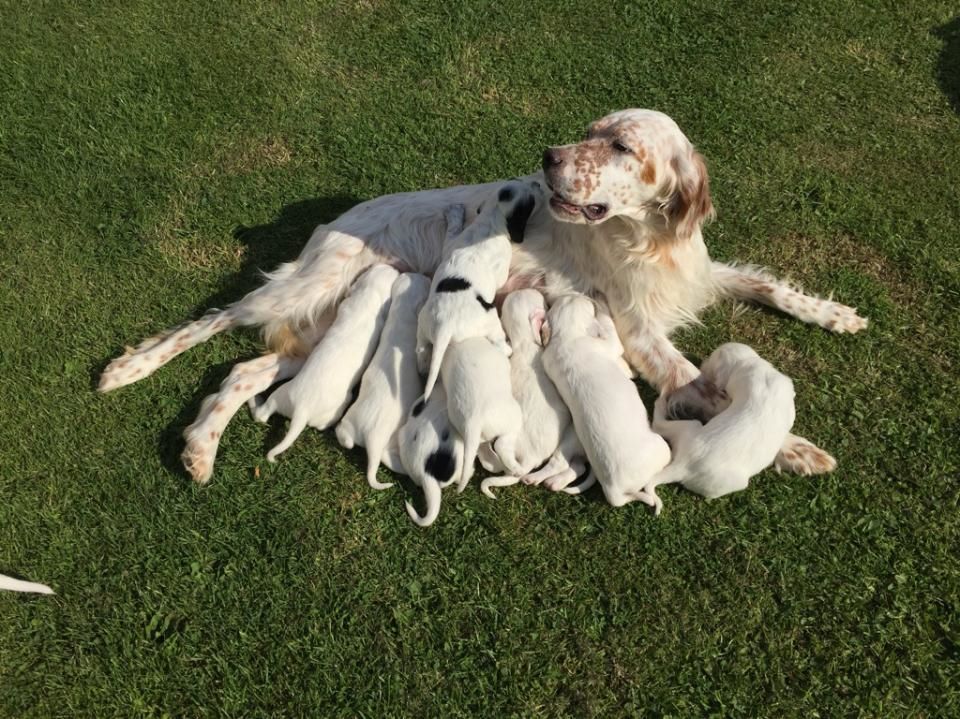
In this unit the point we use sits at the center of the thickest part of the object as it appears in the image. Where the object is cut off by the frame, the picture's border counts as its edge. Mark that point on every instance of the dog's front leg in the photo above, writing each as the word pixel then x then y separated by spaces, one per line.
pixel 653 355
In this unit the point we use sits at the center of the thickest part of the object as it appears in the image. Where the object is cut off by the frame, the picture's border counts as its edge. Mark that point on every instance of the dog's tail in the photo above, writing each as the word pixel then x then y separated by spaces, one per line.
pixel 436 359
pixel 346 434
pixel 431 494
pixel 505 481
pixel 668 475
pixel 375 450
pixel 471 445
pixel 18 585
pixel 298 423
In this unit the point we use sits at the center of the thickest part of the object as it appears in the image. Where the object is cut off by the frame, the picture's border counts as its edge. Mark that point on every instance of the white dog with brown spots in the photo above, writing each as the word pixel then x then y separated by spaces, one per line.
pixel 391 383
pixel 582 358
pixel 624 220
pixel 720 456
pixel 322 389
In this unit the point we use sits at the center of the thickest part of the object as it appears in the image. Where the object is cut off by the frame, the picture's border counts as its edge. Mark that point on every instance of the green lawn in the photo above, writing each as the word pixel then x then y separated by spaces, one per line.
pixel 155 155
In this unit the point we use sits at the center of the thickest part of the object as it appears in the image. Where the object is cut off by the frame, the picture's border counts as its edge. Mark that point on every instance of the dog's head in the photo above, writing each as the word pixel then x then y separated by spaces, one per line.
pixel 571 316
pixel 635 164
pixel 518 200
pixel 523 315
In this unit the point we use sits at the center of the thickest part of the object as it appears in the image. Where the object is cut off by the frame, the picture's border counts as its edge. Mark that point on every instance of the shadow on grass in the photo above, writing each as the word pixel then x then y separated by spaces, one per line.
pixel 948 64
pixel 267 245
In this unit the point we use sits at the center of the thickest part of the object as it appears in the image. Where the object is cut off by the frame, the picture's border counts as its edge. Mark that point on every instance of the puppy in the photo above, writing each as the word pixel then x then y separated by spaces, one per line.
pixel 721 456
pixel 321 391
pixel 431 451
pixel 481 405
pixel 475 265
pixel 545 416
pixel 582 358
pixel 10 584
pixel 391 384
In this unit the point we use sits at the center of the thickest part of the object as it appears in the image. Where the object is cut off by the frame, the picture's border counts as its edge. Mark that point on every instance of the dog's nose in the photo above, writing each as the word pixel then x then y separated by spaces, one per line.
pixel 551 158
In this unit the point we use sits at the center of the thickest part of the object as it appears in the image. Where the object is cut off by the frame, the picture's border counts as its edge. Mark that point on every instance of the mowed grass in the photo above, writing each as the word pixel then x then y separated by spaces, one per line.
pixel 154 156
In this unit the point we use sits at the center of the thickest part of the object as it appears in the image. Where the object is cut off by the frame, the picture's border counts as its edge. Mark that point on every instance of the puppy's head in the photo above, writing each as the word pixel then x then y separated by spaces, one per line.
pixel 571 316
pixel 522 315
pixel 517 200
pixel 635 164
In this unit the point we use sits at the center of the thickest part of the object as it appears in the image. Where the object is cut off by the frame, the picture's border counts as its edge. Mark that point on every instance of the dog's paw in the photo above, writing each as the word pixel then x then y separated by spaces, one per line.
pixel 842 319
pixel 197 458
pixel 799 456
pixel 121 372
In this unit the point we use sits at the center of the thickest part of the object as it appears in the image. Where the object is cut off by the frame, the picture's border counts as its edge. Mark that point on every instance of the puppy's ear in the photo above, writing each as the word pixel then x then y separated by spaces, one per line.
pixel 688 205
pixel 544 332
pixel 538 319
pixel 517 219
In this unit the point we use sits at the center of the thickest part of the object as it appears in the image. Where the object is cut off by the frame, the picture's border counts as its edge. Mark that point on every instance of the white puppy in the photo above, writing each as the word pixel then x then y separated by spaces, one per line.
pixel 321 391
pixel 391 383
pixel 476 263
pixel 582 358
pixel 431 451
pixel 10 584
pixel 481 405
pixel 545 416
pixel 721 456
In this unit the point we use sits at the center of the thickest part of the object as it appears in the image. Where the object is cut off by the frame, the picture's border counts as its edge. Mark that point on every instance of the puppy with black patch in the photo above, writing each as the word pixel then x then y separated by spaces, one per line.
pixel 391 383
pixel 431 451
pixel 545 416
pixel 481 405
pixel 720 456
pixel 323 387
pixel 476 263
pixel 583 358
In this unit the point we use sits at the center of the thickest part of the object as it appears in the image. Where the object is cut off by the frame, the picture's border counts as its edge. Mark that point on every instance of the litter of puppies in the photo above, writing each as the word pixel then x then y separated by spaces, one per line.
pixel 539 395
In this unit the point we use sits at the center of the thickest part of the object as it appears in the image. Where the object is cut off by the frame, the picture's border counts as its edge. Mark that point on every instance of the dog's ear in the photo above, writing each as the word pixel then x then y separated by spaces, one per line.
pixel 517 219
pixel 687 204
pixel 538 319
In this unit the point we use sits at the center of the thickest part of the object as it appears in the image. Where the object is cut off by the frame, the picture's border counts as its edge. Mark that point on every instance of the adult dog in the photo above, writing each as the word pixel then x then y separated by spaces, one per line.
pixel 624 220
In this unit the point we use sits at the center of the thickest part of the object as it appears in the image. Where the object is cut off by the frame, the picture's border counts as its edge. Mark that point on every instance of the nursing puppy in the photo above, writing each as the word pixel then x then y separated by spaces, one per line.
pixel 391 383
pixel 582 358
pixel 431 451
pixel 321 391
pixel 721 456
pixel 10 584
pixel 476 263
pixel 545 416
pixel 481 405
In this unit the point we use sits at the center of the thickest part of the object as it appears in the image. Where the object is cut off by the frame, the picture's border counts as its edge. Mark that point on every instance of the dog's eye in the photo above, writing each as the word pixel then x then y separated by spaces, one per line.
pixel 620 147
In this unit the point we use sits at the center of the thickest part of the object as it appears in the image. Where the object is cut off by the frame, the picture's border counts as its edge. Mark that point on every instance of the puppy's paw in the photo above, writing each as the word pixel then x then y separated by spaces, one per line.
pixel 842 319
pixel 799 456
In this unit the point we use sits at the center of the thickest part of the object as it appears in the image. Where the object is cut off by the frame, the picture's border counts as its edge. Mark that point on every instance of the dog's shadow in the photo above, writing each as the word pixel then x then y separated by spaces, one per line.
pixel 266 246
pixel 948 63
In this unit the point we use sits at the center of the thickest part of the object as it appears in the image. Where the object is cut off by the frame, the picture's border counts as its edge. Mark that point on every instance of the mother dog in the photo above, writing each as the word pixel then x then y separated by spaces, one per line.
pixel 624 220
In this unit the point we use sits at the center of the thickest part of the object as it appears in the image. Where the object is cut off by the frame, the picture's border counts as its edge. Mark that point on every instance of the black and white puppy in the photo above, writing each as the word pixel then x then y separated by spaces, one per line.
pixel 476 263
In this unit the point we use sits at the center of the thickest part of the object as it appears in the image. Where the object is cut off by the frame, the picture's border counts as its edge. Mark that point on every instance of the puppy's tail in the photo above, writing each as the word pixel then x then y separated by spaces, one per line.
pixel 471 445
pixel 346 434
pixel 490 482
pixel 18 585
pixel 668 475
pixel 436 359
pixel 375 449
pixel 431 494
pixel 297 425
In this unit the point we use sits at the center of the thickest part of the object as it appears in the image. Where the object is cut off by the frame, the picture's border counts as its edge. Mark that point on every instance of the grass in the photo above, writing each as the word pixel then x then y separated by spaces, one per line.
pixel 154 156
